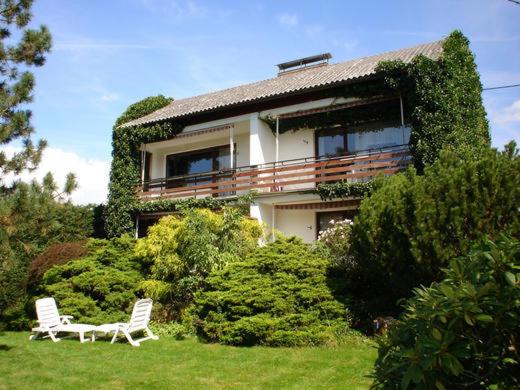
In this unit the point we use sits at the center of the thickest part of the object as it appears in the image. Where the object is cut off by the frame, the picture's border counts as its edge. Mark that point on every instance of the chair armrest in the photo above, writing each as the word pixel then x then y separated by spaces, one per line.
pixel 66 319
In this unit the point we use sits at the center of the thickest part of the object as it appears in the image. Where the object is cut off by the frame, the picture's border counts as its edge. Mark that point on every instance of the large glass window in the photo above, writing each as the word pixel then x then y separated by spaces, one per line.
pixel 354 139
pixel 197 162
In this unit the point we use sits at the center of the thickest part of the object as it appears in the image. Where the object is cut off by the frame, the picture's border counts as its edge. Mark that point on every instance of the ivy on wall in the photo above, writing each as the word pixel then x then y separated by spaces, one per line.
pixel 343 189
pixel 241 202
pixel 388 110
pixel 125 173
pixel 444 101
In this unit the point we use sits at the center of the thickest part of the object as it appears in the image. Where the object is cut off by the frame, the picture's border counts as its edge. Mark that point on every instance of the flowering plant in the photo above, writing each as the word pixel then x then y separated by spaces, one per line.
pixel 336 238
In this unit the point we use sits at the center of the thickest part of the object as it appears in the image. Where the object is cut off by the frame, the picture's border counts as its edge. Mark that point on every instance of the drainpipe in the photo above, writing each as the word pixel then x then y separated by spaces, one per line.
pixel 143 162
pixel 277 135
pixel 402 114
pixel 231 147
pixel 273 222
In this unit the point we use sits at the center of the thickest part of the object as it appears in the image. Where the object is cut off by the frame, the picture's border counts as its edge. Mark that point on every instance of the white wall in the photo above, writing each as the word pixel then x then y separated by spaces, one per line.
pixel 262 142
pixel 301 223
pixel 296 144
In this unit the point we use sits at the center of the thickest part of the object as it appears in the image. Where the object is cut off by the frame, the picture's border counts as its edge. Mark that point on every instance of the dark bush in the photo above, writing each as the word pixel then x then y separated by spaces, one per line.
pixel 277 296
pixel 55 254
pixel 463 332
pixel 413 225
pixel 99 287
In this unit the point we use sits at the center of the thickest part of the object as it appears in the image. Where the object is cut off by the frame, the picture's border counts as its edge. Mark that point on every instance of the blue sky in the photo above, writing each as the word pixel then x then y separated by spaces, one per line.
pixel 109 54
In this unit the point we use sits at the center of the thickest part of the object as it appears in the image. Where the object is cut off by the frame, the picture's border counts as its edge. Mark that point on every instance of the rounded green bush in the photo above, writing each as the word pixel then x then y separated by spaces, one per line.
pixel 463 332
pixel 277 296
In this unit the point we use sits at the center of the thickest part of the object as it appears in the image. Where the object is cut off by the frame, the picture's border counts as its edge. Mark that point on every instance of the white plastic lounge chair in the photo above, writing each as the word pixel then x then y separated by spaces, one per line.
pixel 50 322
pixel 138 322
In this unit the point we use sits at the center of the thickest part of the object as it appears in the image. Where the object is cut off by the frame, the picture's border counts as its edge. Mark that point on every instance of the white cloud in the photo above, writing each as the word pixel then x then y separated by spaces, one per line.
pixel 288 20
pixel 92 175
pixel 509 114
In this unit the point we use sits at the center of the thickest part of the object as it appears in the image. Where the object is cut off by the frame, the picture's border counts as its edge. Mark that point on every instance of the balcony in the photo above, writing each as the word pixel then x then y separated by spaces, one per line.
pixel 278 177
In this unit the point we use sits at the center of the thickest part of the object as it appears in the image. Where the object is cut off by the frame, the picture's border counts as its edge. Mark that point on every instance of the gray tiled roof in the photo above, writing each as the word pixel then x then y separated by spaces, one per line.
pixel 290 82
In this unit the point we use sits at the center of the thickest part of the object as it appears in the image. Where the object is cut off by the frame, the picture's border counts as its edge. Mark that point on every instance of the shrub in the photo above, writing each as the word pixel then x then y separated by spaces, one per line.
pixel 30 220
pixel 171 329
pixel 182 250
pixel 462 332
pixel 277 296
pixel 336 240
pixel 413 225
pixel 56 254
pixel 100 287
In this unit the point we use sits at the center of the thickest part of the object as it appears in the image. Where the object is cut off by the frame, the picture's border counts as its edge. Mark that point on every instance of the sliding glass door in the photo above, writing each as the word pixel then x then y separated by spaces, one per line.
pixel 354 139
pixel 197 167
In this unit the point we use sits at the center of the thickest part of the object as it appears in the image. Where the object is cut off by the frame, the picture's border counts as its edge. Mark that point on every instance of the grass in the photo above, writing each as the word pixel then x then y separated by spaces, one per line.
pixel 186 364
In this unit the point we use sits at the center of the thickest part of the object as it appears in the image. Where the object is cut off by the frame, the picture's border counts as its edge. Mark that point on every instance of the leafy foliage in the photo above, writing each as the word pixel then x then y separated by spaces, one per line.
pixel 55 254
pixel 462 332
pixel 182 251
pixel 409 228
pixel 125 169
pixel 100 287
pixel 277 296
pixel 386 110
pixel 16 85
pixel 241 202
pixel 31 219
pixel 443 99
pixel 336 240
pixel 343 189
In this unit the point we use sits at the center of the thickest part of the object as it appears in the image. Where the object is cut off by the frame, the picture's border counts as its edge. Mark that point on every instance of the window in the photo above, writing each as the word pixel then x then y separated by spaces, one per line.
pixel 353 139
pixel 197 162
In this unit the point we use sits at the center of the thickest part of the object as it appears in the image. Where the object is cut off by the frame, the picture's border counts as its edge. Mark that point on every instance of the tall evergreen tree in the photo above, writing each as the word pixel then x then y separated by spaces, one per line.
pixel 16 82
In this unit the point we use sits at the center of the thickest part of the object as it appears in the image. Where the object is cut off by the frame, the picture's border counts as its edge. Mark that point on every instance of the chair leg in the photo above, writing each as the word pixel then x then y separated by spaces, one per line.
pixel 81 337
pixel 150 334
pixel 53 337
pixel 129 338
pixel 34 336
pixel 115 336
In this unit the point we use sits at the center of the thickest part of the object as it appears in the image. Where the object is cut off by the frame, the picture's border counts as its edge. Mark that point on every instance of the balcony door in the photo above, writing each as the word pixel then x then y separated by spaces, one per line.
pixel 197 167
pixel 339 141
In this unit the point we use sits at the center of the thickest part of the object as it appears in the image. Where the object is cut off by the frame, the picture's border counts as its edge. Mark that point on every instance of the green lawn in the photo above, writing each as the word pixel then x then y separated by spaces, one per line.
pixel 186 364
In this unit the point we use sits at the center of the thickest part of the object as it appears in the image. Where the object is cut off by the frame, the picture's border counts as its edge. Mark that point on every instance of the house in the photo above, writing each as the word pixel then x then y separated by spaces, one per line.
pixel 281 138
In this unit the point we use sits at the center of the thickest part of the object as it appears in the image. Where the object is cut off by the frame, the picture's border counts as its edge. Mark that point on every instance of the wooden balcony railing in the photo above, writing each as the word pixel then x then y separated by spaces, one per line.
pixel 283 176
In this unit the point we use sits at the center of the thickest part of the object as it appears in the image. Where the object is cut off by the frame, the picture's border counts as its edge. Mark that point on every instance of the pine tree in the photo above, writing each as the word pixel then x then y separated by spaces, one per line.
pixel 16 83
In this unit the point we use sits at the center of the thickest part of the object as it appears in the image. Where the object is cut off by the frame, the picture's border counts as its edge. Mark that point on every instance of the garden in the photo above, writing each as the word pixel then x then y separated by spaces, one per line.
pixel 244 314
pixel 433 251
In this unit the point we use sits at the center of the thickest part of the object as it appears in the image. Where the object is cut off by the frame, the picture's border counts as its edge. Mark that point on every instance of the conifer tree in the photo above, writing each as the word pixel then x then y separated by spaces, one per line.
pixel 20 48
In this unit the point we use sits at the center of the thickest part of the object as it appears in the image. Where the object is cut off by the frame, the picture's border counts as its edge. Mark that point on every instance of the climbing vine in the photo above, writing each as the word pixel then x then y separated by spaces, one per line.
pixel 387 110
pixel 343 189
pixel 126 160
pixel 444 101
pixel 241 202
